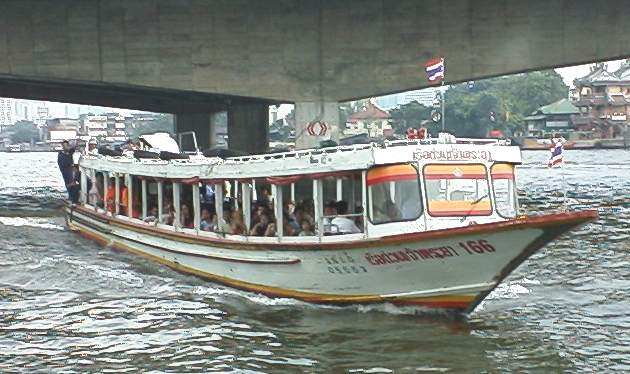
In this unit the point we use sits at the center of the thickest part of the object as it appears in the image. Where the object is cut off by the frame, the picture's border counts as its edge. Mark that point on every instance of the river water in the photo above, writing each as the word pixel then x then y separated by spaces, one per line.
pixel 68 305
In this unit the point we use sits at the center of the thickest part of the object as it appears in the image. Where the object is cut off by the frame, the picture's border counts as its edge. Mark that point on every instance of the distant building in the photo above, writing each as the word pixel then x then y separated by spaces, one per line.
pixel 371 120
pixel 425 97
pixel 6 112
pixel 94 126
pixel 43 115
pixel 59 129
pixel 553 118
pixel 603 99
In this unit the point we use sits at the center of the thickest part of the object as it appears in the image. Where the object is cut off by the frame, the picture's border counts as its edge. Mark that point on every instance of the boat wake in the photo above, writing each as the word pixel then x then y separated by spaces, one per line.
pixel 37 222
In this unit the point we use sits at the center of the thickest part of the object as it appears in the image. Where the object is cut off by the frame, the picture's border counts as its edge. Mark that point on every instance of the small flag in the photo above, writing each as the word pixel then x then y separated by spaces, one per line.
pixel 556 154
pixel 435 69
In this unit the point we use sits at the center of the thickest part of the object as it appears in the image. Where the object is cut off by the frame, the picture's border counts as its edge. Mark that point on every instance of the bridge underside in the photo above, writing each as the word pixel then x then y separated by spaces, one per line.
pixel 312 52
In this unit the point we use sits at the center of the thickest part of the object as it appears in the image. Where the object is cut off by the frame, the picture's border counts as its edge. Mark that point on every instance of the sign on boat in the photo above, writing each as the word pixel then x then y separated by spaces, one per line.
pixel 428 222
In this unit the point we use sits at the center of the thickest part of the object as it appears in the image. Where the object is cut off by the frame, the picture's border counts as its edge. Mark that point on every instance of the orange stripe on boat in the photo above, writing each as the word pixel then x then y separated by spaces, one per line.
pixel 451 171
pixel 459 207
pixel 391 173
pixel 502 171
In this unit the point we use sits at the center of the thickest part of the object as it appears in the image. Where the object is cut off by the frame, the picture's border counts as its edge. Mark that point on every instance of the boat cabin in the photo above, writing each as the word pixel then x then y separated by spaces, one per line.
pixel 342 193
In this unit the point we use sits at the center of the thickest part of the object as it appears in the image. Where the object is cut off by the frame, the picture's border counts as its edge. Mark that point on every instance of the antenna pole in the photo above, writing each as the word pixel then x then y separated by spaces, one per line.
pixel 443 99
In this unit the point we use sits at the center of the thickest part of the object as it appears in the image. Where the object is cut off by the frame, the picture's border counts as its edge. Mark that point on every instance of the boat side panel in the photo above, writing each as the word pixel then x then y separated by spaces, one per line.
pixel 392 272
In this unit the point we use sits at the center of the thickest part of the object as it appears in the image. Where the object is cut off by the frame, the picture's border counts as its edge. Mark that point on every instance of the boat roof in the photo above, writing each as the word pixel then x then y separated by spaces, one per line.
pixel 313 161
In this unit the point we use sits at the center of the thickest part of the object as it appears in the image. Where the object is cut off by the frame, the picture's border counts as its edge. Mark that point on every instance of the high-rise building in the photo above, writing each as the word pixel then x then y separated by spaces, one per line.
pixel 6 112
pixel 425 97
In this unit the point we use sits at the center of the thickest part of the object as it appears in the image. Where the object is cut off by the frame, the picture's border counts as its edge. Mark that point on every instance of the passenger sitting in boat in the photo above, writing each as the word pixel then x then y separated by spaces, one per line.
pixel 271 229
pixel 185 218
pixel 237 226
pixel 206 220
pixel 260 228
pixel 330 211
pixel 392 211
pixel 223 225
pixel 344 224
pixel 259 210
pixel 307 211
pixel 123 198
pixel 110 196
pixel 152 215
pixel 169 216
pixel 307 228
pixel 287 228
pixel 290 214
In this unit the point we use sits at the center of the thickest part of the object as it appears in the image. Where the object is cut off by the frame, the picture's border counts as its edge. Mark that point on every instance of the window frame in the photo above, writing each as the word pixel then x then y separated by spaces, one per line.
pixel 513 192
pixel 369 201
pixel 489 187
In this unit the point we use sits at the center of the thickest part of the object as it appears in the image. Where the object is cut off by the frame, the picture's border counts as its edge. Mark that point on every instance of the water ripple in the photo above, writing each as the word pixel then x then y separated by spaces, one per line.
pixel 68 305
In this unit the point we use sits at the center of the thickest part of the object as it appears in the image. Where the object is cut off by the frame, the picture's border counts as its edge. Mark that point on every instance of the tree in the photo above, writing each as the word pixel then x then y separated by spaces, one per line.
pixel 510 98
pixel 409 115
pixel 24 132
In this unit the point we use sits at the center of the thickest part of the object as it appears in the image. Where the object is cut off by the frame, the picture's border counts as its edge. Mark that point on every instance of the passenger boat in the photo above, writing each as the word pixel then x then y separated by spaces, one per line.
pixel 14 148
pixel 434 222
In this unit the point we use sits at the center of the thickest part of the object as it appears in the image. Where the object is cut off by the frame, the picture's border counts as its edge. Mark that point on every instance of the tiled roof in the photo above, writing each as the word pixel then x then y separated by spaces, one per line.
pixel 562 106
pixel 370 111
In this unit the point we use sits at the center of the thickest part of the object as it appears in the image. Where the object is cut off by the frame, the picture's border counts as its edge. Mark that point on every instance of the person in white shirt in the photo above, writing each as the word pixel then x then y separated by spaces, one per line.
pixel 345 225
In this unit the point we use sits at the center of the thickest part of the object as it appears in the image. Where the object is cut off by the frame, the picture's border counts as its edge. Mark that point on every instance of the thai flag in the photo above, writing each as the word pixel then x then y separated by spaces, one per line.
pixel 556 155
pixel 435 69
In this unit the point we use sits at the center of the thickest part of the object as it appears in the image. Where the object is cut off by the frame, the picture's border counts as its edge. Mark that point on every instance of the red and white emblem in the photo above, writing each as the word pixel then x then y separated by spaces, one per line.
pixel 317 128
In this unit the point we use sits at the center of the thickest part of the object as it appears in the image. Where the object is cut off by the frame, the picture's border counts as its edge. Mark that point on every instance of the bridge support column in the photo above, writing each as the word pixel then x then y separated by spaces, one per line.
pixel 248 128
pixel 201 124
pixel 315 122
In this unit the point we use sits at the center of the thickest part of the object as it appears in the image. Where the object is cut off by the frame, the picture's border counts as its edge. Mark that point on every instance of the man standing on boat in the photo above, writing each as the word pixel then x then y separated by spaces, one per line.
pixel 65 163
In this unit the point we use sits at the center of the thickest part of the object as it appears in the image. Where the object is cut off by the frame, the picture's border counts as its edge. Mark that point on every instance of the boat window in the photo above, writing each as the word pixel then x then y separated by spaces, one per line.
pixel 457 190
pixel 263 219
pixel 152 202
pixel 110 195
pixel 96 193
pixel 393 193
pixel 208 218
pixel 135 193
pixel 168 208
pixel 300 208
pixel 504 189
pixel 186 206
pixel 343 214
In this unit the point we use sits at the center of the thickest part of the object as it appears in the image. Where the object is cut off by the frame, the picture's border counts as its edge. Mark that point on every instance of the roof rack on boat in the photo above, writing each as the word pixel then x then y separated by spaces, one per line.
pixel 302 153
pixel 442 139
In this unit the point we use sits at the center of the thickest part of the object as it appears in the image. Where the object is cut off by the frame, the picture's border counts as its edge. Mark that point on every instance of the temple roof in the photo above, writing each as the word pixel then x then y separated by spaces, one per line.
pixel 599 74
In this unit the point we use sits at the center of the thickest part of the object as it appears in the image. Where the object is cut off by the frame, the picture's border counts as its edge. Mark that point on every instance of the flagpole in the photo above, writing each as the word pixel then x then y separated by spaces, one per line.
pixel 443 99
pixel 442 94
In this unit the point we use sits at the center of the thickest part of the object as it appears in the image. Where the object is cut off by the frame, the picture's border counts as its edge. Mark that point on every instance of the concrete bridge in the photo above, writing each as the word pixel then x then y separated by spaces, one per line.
pixel 196 57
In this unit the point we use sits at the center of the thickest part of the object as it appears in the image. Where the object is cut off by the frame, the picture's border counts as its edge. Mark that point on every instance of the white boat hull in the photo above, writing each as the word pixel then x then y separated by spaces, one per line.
pixel 453 268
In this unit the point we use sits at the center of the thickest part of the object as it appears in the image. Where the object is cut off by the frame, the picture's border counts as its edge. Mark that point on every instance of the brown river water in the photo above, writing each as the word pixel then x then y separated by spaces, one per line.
pixel 68 305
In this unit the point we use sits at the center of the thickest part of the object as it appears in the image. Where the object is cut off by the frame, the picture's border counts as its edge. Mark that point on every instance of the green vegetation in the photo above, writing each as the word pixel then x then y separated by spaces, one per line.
pixel 409 115
pixel 24 132
pixel 510 98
